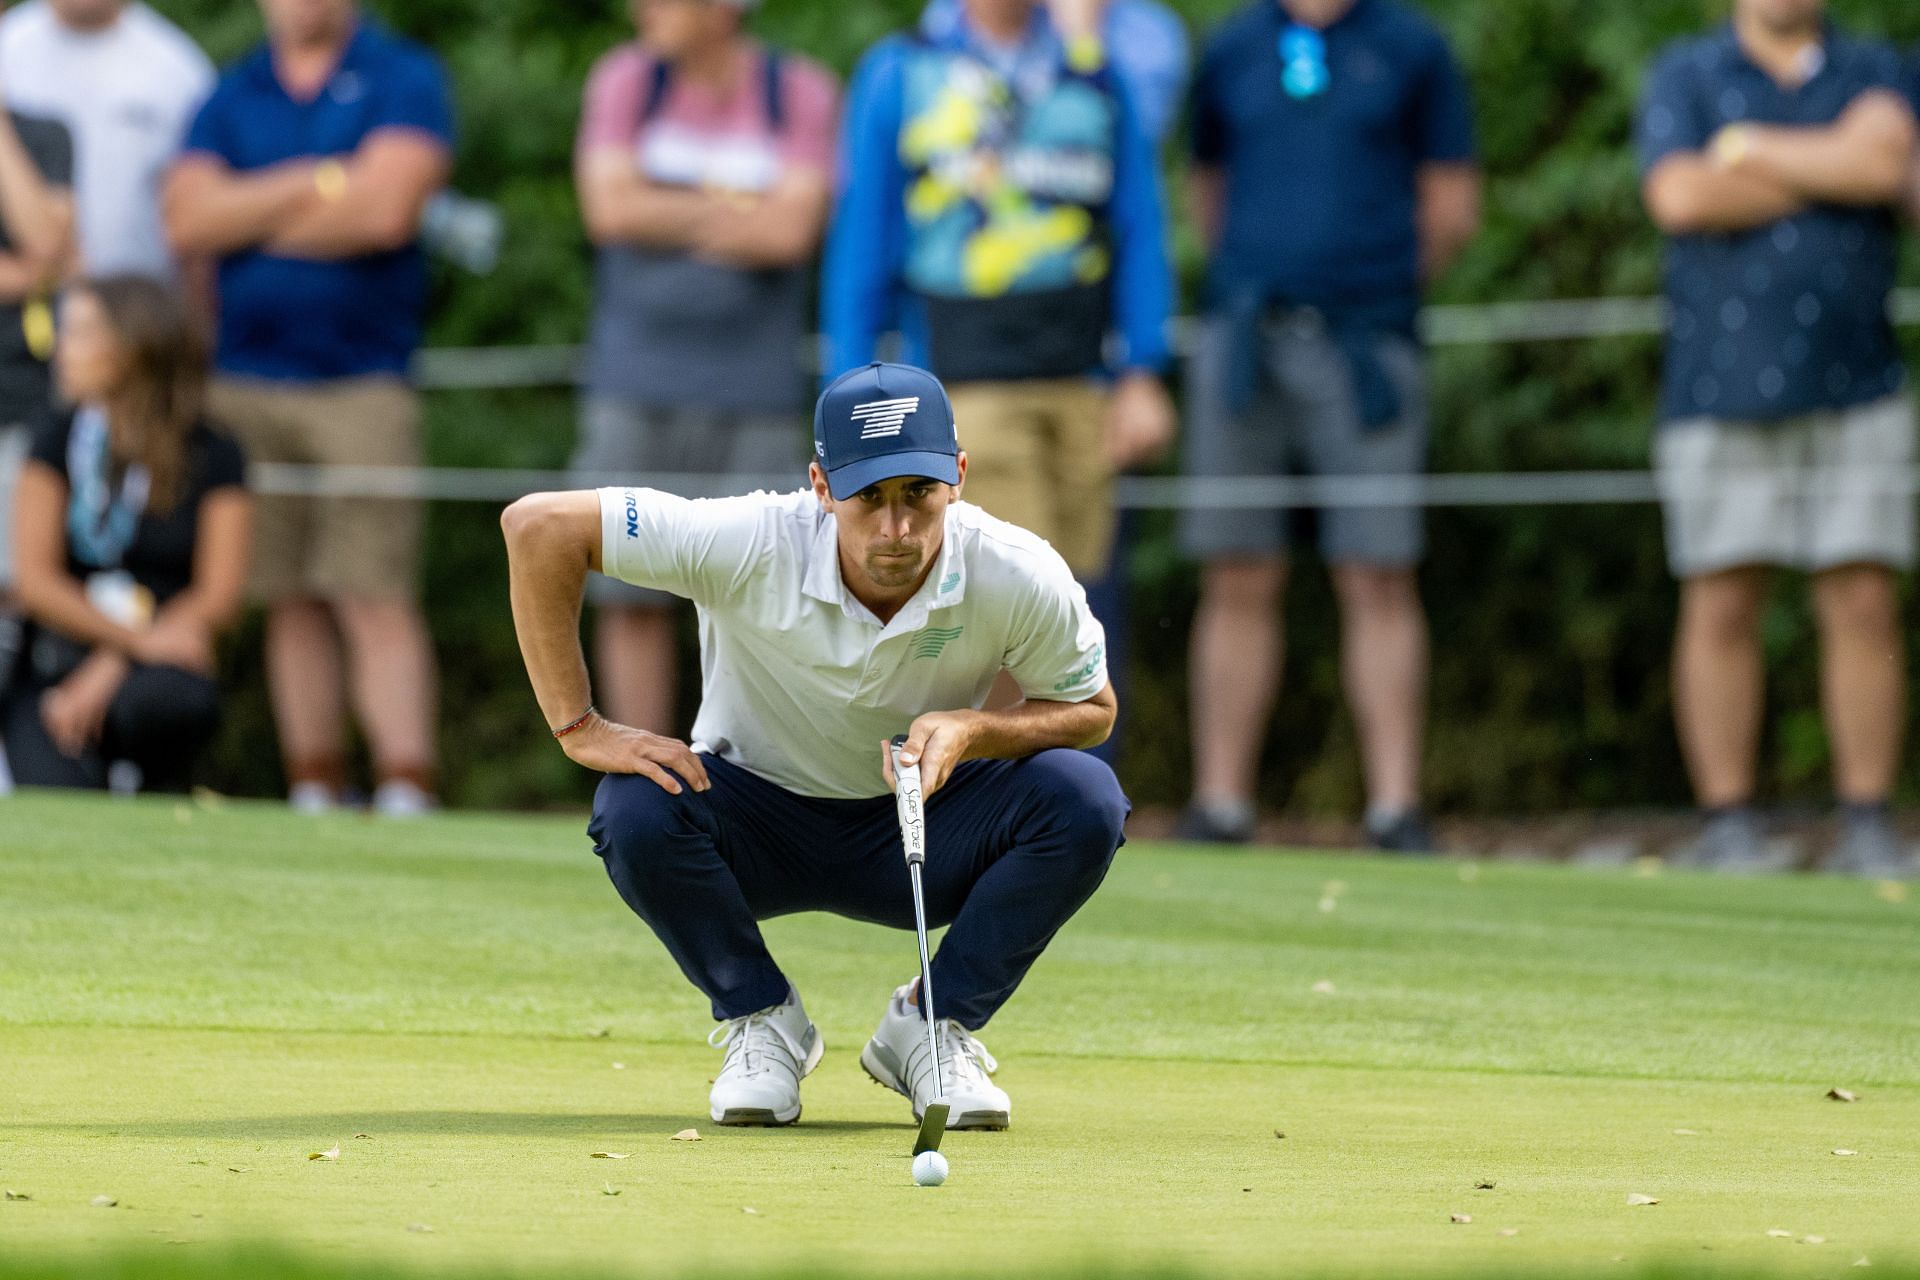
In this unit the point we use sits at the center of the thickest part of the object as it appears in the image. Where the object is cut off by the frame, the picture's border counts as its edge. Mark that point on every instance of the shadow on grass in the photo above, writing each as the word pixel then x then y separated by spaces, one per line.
pixel 494 1124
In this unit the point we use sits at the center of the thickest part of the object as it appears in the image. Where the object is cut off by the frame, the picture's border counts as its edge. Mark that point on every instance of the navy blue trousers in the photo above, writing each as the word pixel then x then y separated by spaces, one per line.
pixel 1014 848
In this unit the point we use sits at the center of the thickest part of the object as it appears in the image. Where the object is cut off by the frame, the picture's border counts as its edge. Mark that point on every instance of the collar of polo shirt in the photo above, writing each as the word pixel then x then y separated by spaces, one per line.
pixel 945 586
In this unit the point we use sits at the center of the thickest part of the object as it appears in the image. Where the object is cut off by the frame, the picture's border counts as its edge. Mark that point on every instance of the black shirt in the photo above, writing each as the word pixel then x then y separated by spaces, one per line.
pixel 24 384
pixel 160 556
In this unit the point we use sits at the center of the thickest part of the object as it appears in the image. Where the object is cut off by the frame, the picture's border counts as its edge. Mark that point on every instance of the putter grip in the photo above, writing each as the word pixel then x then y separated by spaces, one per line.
pixel 908 803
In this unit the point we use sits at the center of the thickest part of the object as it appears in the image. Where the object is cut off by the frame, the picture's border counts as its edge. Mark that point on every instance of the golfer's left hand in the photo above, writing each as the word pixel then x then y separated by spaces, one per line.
pixel 937 742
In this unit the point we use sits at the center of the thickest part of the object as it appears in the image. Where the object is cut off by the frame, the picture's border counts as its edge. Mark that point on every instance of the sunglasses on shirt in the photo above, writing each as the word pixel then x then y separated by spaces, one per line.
pixel 1303 62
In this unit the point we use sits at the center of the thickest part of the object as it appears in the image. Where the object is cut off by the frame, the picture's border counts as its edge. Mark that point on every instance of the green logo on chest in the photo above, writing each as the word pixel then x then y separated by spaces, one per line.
pixel 932 642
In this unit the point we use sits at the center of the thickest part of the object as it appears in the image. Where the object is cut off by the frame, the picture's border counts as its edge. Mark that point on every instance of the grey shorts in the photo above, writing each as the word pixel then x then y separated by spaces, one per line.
pixel 736 452
pixel 1810 493
pixel 1305 421
pixel 14 445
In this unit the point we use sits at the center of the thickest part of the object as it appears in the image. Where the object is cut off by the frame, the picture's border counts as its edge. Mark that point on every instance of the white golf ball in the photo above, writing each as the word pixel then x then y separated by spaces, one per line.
pixel 929 1169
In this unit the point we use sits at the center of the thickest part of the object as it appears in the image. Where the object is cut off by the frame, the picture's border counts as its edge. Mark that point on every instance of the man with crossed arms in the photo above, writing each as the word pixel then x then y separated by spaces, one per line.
pixel 829 619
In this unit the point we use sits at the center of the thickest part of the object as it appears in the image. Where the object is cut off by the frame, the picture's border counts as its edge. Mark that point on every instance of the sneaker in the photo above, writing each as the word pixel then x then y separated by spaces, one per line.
pixel 398 798
pixel 1216 824
pixel 768 1054
pixel 1734 843
pixel 1403 832
pixel 897 1058
pixel 1869 846
pixel 312 798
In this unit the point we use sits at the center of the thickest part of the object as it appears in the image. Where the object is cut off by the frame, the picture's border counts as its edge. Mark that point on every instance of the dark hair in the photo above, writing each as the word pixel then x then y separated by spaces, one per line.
pixel 158 403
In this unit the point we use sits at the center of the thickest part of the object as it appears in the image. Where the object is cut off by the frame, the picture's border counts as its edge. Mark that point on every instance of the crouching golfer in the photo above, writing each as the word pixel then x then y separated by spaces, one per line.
pixel 829 620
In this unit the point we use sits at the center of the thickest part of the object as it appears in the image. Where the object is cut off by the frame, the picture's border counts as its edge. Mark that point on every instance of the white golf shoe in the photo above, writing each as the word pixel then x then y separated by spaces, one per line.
pixel 768 1054
pixel 897 1058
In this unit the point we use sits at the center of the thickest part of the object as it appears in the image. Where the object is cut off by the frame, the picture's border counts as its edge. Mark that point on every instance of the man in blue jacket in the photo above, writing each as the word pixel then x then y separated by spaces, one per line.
pixel 1000 206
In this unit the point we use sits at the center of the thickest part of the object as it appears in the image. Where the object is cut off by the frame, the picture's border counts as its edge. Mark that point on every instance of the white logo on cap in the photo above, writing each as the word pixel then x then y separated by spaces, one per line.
pixel 883 418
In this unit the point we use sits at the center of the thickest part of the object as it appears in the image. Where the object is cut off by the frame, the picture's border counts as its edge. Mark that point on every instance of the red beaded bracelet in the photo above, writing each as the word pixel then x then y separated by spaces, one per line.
pixel 585 716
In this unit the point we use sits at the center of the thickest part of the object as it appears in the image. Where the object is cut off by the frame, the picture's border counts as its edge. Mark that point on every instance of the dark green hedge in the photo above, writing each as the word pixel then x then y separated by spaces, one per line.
pixel 1551 627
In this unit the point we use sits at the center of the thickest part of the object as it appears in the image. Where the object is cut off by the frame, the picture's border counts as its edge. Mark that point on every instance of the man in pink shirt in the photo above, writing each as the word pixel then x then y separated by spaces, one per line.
pixel 704 167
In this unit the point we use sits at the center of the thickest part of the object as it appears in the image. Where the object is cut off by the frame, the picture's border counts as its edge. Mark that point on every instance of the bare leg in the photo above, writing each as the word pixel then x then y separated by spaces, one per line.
pixel 1862 678
pixel 1238 644
pixel 308 688
pixel 394 685
pixel 634 666
pixel 1719 683
pixel 1383 663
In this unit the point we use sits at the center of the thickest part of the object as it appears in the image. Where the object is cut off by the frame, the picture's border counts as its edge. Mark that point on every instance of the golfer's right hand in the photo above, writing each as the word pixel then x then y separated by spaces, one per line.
pixel 606 747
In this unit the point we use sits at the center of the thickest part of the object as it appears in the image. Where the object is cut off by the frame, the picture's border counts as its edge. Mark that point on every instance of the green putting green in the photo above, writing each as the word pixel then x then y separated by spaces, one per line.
pixel 195 998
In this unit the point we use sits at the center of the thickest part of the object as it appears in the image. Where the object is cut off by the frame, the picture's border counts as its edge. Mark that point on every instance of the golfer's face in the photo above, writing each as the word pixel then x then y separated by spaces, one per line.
pixel 893 529
pixel 1784 15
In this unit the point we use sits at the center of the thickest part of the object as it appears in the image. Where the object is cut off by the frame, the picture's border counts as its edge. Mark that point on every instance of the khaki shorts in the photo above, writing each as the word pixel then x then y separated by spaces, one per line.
pixel 1037 457
pixel 329 547
pixel 1811 493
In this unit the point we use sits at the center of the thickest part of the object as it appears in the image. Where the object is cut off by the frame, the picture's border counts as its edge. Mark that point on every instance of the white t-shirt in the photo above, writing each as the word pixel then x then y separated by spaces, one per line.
pixel 127 94
pixel 800 682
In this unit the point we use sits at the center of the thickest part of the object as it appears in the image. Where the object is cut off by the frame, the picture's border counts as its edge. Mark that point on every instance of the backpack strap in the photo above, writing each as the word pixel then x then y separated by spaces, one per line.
pixel 772 84
pixel 657 86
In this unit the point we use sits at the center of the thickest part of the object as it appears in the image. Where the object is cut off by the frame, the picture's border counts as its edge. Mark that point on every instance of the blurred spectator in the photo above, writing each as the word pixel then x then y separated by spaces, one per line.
pixel 1775 151
pixel 705 166
pixel 1145 40
pixel 1000 203
pixel 131 531
pixel 1335 174
pixel 305 174
pixel 125 82
pixel 36 245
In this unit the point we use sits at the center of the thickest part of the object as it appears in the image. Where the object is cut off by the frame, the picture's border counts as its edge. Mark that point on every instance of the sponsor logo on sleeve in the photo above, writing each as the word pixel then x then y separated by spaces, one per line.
pixel 1083 674
pixel 633 515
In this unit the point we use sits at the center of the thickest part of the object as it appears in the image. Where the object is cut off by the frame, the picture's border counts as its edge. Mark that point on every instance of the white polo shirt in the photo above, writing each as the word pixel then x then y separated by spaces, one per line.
pixel 127 94
pixel 801 683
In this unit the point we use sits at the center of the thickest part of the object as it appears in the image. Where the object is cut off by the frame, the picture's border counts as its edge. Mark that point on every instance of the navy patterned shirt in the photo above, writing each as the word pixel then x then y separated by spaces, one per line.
pixel 1789 318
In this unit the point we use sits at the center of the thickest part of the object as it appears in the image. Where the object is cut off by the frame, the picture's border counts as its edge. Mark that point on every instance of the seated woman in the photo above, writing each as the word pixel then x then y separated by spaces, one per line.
pixel 131 529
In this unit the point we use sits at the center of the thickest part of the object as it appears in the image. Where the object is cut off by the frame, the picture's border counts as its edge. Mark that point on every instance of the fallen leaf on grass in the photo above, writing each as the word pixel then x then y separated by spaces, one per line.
pixel 1686 1133
pixel 1842 1151
pixel 1837 1094
pixel 610 1155
pixel 1777 1234
pixel 1635 1198
pixel 1813 1239
pixel 619 1066
pixel 608 1189
pixel 209 799
pixel 420 1228
pixel 1861 1262
pixel 1323 988
pixel 18 1195
pixel 237 1168
pixel 1327 905
pixel 1469 872
pixel 362 1135
pixel 600 1033
pixel 1891 891
pixel 1509 1231
pixel 103 1202
pixel 331 1153
pixel 1278 1134
pixel 754 1212
pixel 1460 1218
pixel 687 1135
pixel 1334 888
pixel 1483 1185
pixel 1646 866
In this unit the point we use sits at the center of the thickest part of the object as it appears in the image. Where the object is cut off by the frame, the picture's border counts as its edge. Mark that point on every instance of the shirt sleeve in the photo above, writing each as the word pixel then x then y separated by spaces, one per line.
pixel 1143 265
pixel 1059 650
pixel 209 133
pixel 226 462
pixel 416 98
pixel 1670 120
pixel 1444 113
pixel 810 100
pixel 610 112
pixel 698 548
pixel 860 279
pixel 1149 47
pixel 49 446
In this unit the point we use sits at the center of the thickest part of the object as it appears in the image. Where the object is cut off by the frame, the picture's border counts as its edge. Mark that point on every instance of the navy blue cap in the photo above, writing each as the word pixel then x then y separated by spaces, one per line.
pixel 883 421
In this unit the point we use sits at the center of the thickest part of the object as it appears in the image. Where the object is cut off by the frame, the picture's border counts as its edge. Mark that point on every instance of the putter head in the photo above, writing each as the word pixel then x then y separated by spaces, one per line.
pixel 933 1127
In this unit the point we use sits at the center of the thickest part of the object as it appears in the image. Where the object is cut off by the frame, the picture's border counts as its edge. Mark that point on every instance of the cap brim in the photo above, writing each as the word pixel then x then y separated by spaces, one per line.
pixel 855 476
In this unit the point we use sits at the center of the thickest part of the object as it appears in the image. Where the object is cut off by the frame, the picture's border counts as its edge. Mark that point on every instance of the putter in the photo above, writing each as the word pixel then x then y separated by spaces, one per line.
pixel 908 803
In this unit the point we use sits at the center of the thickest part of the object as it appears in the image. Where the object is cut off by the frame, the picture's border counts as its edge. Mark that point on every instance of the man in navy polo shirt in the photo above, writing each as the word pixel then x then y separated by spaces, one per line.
pixel 1335 175
pixel 1776 150
pixel 306 175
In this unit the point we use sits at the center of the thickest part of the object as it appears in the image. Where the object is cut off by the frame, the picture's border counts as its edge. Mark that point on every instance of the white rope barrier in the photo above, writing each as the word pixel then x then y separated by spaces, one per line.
pixel 1497 324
